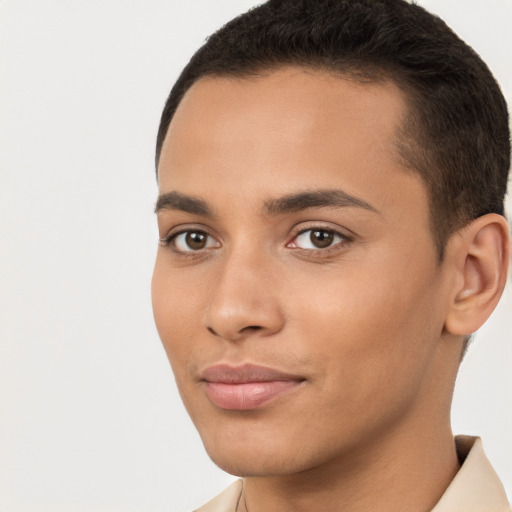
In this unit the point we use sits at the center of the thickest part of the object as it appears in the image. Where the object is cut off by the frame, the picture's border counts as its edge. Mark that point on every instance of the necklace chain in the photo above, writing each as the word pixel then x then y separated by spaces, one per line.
pixel 242 497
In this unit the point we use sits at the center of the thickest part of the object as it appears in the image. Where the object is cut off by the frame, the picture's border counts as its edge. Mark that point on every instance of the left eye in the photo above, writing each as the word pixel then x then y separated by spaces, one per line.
pixel 193 241
pixel 317 239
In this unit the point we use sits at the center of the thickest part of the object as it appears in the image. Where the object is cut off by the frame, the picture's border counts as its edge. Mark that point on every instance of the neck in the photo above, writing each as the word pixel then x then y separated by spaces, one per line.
pixel 409 471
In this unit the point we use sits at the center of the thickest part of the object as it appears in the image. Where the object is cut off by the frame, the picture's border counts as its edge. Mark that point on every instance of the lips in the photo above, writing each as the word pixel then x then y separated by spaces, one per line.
pixel 247 386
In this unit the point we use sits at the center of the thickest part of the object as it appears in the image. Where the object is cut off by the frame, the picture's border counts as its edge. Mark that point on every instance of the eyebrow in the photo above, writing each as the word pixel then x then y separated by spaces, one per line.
pixel 287 204
pixel 315 199
pixel 184 203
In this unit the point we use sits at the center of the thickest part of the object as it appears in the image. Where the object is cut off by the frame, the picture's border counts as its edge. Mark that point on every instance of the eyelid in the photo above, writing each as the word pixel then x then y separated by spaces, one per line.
pixel 346 235
pixel 167 239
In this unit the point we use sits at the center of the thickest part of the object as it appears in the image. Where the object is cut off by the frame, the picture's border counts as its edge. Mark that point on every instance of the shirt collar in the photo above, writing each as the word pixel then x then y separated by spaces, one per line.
pixel 476 487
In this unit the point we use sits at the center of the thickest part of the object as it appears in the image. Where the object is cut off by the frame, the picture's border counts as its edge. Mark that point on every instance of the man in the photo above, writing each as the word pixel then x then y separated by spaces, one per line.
pixel 331 183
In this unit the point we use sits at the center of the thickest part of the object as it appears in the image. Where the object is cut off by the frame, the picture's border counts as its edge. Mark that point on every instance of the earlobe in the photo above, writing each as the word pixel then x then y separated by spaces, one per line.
pixel 481 255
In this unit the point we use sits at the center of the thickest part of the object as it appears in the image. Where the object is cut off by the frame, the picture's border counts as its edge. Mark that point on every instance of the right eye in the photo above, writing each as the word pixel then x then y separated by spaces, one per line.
pixel 192 240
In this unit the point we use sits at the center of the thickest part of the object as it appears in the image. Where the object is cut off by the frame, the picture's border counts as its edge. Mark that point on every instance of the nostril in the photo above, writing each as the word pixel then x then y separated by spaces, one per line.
pixel 251 328
pixel 247 329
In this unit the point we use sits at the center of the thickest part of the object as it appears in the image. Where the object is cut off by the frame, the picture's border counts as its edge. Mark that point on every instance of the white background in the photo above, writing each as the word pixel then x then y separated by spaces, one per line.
pixel 90 419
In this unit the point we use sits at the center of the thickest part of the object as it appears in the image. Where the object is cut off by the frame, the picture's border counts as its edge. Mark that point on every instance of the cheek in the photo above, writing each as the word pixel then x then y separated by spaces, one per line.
pixel 175 310
pixel 370 331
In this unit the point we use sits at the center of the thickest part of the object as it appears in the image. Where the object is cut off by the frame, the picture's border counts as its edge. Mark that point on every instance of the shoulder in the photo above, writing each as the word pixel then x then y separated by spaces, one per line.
pixel 226 501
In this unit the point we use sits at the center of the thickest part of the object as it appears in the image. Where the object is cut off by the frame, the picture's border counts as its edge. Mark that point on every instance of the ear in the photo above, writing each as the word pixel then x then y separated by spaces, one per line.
pixel 480 254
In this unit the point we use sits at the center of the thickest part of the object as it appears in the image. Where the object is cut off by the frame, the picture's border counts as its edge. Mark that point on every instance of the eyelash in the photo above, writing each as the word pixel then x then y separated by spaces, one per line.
pixel 345 240
pixel 169 240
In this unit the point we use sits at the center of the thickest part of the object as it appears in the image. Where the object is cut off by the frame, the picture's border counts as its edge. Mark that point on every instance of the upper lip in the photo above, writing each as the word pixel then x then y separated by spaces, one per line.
pixel 244 373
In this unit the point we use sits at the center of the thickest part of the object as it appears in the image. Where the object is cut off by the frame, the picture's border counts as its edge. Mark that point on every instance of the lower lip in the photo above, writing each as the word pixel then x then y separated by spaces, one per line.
pixel 247 395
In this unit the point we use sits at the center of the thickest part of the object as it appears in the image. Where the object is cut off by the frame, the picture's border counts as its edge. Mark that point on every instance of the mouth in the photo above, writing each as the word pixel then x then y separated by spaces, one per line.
pixel 246 387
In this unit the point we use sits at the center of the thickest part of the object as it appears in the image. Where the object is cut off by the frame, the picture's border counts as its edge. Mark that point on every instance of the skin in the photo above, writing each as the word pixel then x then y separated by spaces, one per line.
pixel 372 323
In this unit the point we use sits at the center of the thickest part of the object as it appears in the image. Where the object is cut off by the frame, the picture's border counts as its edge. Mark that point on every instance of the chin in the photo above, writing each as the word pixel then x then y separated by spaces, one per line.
pixel 242 454
pixel 246 463
pixel 259 454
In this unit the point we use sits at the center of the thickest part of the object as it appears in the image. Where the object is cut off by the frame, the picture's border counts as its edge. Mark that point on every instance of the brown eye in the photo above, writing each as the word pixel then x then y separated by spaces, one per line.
pixel 196 240
pixel 189 241
pixel 314 239
pixel 321 238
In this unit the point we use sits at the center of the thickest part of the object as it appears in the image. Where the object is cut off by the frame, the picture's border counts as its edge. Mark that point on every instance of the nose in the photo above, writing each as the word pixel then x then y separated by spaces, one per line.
pixel 244 300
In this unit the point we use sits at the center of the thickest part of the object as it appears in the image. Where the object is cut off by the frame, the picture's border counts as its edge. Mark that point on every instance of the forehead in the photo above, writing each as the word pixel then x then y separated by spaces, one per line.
pixel 291 104
pixel 292 128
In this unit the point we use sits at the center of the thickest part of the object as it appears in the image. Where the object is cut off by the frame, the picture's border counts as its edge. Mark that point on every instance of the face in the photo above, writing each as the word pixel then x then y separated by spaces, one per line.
pixel 296 288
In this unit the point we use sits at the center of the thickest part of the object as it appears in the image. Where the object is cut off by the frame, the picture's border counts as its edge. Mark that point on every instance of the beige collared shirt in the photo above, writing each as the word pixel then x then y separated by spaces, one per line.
pixel 475 488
